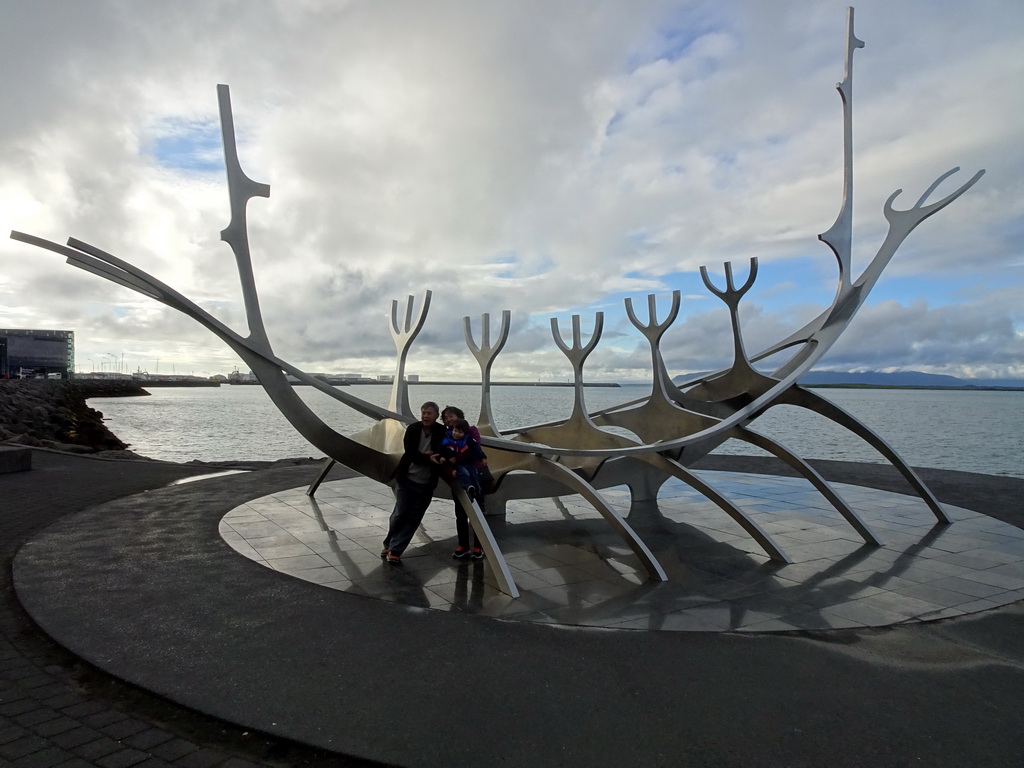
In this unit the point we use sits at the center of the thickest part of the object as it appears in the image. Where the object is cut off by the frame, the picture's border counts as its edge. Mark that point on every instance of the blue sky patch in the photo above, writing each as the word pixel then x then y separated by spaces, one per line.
pixel 187 145
pixel 675 37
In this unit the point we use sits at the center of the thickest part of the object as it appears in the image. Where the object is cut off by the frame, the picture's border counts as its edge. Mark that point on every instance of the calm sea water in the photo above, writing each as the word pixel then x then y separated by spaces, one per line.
pixel 972 431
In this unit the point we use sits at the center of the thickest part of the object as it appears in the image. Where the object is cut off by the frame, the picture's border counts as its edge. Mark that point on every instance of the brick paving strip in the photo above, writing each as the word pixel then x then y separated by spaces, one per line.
pixel 56 710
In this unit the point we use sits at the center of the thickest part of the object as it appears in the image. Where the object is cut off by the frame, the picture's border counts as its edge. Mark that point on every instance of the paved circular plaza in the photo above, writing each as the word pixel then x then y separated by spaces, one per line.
pixel 415 665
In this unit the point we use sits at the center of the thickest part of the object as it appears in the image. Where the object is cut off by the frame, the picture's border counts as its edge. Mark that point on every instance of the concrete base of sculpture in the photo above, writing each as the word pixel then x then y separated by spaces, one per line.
pixel 571 569
pixel 15 459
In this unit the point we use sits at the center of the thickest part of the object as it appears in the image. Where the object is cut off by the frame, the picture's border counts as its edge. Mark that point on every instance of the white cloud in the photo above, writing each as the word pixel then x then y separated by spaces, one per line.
pixel 532 156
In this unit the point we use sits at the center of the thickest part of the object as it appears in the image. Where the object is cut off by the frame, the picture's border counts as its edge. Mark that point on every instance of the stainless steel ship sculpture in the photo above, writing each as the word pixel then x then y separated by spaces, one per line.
pixel 675 425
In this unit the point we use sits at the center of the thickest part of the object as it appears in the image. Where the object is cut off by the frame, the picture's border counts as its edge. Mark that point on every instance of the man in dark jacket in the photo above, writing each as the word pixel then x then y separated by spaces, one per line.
pixel 416 478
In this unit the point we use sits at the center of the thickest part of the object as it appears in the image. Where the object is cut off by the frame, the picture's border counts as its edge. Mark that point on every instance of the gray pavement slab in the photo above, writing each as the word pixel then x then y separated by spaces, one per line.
pixel 167 604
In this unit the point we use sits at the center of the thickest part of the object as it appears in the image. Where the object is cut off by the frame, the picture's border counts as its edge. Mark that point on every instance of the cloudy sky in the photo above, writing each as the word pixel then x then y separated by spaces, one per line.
pixel 549 158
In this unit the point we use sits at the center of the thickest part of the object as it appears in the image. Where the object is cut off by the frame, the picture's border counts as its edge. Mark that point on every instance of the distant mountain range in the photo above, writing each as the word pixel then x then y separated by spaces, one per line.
pixel 903 379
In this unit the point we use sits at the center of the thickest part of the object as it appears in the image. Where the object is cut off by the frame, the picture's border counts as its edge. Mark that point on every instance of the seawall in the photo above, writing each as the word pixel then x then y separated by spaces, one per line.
pixel 46 413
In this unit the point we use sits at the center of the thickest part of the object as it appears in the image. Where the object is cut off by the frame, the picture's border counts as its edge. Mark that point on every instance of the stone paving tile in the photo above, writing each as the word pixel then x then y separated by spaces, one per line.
pixel 104 717
pixel 173 749
pixel 908 607
pixel 61 700
pixel 1015 569
pixel 76 737
pixel 968 587
pixel 44 758
pixel 52 727
pixel 932 594
pixel 864 613
pixel 25 745
pixel 148 738
pixel 18 707
pixel 122 730
pixel 85 709
pixel 97 747
pixel 36 717
pixel 821 620
pixel 995 579
pixel 235 762
pixel 122 758
pixel 153 762
pixel 772 625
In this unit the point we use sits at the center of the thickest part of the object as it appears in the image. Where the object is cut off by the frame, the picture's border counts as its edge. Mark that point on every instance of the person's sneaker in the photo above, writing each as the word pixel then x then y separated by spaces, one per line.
pixel 460 553
pixel 478 554
pixel 393 558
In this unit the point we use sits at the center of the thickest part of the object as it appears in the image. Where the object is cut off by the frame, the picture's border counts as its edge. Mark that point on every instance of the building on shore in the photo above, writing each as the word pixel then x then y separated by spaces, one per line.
pixel 104 376
pixel 27 353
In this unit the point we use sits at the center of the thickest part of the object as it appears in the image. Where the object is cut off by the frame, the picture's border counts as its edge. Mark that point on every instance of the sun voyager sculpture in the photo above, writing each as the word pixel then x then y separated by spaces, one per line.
pixel 674 426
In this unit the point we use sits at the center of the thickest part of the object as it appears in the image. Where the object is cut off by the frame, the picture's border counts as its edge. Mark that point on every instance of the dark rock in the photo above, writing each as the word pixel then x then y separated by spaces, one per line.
pixel 122 455
pixel 52 413
pixel 66 447
pixel 25 439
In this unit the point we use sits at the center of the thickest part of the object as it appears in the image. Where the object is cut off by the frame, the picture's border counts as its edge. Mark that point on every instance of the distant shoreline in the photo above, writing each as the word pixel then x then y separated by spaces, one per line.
pixel 447 383
pixel 595 384
pixel 615 384
pixel 506 383
pixel 914 386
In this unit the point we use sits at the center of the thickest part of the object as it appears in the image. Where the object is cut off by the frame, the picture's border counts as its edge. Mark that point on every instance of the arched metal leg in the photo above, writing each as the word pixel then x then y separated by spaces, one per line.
pixel 761 536
pixel 569 478
pixel 485 538
pixel 321 475
pixel 812 475
pixel 806 399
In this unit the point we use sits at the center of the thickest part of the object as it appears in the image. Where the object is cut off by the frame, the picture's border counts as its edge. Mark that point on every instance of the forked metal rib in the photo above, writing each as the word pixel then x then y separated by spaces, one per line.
pixel 404 336
pixel 485 355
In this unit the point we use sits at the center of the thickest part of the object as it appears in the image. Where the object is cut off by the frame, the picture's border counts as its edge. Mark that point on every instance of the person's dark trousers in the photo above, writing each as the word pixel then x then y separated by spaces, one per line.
pixel 410 506
pixel 461 525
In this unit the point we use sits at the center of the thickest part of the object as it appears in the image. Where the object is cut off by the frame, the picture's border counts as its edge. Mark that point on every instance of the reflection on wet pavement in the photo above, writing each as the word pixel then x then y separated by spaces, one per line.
pixel 572 569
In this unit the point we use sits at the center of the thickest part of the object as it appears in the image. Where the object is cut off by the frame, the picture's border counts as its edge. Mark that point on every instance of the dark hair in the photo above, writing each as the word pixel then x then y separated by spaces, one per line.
pixel 452 409
pixel 430 404
pixel 462 425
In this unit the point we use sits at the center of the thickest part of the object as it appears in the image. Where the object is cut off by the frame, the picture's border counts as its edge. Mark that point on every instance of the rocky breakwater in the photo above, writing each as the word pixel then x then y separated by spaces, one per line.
pixel 45 413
